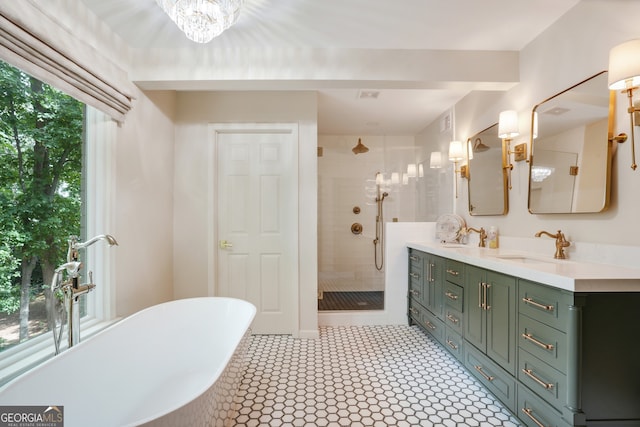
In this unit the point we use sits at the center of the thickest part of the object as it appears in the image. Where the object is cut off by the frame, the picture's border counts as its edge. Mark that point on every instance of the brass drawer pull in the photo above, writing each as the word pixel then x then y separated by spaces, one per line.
pixel 530 374
pixel 536 342
pixel 413 258
pixel 537 304
pixel 452 319
pixel 452 345
pixel 451 295
pixel 528 413
pixel 486 377
pixel 414 275
pixel 430 325
pixel 453 272
pixel 413 311
pixel 414 293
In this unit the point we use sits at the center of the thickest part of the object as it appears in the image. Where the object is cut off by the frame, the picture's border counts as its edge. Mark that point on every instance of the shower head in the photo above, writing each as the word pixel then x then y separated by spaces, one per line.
pixel 359 148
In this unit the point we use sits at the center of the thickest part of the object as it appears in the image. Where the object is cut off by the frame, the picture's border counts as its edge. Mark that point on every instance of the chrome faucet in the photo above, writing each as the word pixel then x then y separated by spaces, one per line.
pixel 561 243
pixel 483 236
pixel 71 289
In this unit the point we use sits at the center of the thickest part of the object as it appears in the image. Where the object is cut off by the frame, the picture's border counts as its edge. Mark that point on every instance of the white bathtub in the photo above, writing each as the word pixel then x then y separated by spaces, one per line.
pixel 174 364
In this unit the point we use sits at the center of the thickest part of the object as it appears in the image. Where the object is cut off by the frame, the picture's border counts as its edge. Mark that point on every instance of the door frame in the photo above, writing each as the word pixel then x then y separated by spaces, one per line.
pixel 214 129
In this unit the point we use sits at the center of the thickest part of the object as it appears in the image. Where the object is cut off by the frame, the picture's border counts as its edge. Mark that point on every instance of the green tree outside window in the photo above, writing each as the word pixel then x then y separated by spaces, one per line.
pixel 41 139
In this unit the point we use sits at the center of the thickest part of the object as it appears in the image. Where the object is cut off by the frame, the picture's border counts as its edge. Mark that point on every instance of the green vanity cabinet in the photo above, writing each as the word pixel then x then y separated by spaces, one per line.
pixel 425 292
pixel 453 295
pixel 416 278
pixel 490 308
pixel 552 356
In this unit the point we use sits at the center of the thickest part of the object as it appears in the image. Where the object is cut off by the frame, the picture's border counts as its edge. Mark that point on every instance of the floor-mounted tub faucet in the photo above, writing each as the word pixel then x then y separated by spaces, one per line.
pixel 72 289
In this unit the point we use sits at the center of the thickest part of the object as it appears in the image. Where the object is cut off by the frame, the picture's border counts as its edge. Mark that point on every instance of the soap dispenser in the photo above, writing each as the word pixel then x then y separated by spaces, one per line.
pixel 492 237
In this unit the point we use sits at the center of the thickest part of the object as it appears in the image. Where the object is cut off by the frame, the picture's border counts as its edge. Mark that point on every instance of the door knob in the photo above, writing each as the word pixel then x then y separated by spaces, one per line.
pixel 225 244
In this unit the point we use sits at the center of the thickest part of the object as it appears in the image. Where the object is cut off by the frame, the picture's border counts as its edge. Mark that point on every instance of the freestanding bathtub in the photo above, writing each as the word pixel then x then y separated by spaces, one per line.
pixel 173 364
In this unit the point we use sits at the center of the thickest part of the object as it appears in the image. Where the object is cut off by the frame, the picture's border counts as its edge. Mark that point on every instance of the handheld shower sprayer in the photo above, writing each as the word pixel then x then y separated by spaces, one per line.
pixel 380 196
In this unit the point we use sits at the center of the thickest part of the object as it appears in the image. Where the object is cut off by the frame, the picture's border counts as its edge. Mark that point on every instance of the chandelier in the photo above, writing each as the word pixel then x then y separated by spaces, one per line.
pixel 202 20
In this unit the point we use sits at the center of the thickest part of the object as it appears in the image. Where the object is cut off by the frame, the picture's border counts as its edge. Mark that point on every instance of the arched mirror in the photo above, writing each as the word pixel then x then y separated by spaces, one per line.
pixel 570 169
pixel 488 194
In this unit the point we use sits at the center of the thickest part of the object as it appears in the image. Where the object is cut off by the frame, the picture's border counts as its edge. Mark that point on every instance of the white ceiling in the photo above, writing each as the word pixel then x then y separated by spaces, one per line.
pixel 488 25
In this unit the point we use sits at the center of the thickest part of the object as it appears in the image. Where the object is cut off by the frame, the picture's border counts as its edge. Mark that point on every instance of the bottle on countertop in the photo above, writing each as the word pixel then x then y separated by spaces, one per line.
pixel 492 237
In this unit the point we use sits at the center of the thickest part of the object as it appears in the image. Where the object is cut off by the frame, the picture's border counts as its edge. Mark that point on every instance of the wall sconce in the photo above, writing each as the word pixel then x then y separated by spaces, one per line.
pixel 456 154
pixel 395 178
pixel 411 170
pixel 624 75
pixel 507 130
pixel 435 161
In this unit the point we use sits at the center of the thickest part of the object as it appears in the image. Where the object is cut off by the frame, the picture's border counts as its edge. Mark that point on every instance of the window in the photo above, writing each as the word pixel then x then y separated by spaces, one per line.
pixel 79 201
pixel 41 137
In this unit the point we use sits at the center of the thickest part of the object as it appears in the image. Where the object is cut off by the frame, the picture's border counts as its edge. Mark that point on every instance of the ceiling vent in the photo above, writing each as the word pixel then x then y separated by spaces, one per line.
pixel 368 94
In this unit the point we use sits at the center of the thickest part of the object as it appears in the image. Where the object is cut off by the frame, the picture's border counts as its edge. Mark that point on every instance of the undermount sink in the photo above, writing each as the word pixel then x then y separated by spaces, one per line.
pixel 525 259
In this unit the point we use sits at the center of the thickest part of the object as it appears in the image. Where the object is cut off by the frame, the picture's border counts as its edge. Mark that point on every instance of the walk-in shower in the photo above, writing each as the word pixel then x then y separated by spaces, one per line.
pixel 354 203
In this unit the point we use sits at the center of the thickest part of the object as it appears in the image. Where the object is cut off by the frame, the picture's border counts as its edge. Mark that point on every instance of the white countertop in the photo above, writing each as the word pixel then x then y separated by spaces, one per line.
pixel 570 275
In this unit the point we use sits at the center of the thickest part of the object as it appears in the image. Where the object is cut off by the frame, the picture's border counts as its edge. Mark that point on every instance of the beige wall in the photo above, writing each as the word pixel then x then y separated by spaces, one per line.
pixel 144 204
pixel 195 111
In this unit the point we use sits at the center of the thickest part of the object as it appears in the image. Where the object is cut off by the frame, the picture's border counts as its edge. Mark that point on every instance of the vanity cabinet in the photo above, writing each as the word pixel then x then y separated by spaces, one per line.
pixel 490 315
pixel 552 356
pixel 425 292
pixel 490 327
pixel 454 310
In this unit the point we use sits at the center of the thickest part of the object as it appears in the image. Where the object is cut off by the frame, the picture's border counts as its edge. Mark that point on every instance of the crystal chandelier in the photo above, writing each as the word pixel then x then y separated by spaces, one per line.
pixel 202 20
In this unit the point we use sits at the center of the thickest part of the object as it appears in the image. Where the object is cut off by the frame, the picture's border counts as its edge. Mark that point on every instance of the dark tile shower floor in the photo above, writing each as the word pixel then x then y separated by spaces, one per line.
pixel 361 376
pixel 359 300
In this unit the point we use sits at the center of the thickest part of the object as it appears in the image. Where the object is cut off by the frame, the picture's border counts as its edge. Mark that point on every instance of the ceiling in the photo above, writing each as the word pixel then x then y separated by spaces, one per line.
pixel 353 107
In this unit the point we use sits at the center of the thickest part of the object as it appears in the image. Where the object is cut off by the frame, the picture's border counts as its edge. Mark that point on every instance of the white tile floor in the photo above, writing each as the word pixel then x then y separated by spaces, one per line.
pixel 361 376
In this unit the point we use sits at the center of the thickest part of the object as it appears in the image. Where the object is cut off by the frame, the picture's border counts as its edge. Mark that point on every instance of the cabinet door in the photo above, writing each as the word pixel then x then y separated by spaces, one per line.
pixel 501 303
pixel 474 313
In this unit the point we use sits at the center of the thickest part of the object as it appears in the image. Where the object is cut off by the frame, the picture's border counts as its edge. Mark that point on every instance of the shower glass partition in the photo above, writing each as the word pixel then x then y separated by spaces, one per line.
pixel 350 186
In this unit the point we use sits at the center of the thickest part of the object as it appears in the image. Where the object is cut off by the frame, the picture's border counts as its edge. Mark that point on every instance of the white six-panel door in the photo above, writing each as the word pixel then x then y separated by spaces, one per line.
pixel 257 226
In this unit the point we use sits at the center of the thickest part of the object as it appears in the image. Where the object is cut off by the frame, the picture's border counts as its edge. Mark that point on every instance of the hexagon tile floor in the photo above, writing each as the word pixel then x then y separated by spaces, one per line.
pixel 361 376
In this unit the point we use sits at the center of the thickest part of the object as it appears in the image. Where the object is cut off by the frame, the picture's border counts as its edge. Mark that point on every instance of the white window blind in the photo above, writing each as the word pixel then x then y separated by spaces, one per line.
pixel 35 43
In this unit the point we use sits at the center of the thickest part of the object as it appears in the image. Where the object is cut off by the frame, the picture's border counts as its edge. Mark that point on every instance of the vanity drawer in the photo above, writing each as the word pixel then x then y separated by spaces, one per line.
pixel 416 265
pixel 544 342
pixel 454 343
pixel 545 304
pixel 453 296
pixel 415 312
pixel 454 271
pixel 453 319
pixel 545 381
pixel 492 376
pixel 535 412
pixel 433 325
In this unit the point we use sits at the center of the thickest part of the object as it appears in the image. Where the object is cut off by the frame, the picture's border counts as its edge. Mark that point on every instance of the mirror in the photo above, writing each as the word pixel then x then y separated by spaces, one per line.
pixel 488 194
pixel 570 169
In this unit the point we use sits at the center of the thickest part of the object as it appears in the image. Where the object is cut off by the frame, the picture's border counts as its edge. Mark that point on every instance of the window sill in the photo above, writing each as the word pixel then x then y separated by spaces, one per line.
pixel 23 357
